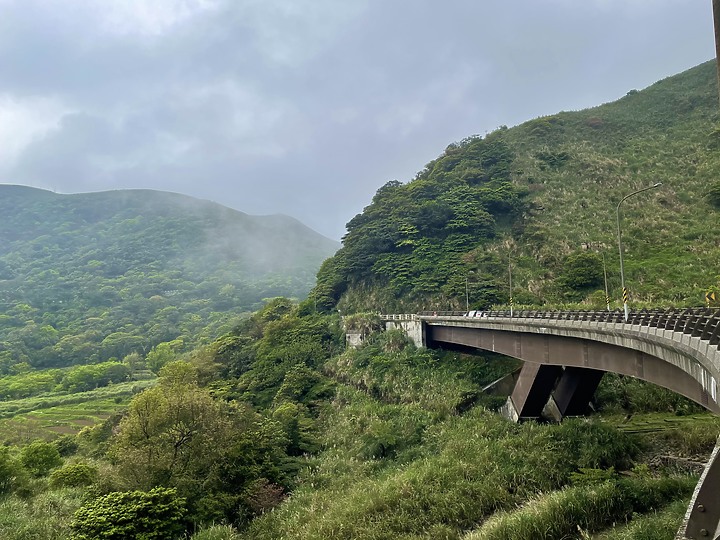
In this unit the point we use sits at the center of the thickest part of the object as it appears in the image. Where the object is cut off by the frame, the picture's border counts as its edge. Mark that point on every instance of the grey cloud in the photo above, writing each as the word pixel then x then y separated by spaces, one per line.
pixel 306 108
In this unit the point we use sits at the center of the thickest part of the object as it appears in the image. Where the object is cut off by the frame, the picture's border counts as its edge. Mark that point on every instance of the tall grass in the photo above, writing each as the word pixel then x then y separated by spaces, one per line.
pixel 465 469
pixel 46 516
pixel 585 508
pixel 216 532
pixel 659 525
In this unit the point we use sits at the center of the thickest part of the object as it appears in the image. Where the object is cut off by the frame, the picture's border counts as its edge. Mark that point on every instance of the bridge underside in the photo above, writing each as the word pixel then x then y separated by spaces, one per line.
pixel 561 374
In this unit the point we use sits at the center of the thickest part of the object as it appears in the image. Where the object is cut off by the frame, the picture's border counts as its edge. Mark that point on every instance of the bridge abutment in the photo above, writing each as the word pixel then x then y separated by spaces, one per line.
pixel 414 329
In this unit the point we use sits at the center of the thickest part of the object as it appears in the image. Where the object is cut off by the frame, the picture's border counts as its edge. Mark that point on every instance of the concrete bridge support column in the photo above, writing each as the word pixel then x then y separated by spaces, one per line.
pixel 573 392
pixel 532 391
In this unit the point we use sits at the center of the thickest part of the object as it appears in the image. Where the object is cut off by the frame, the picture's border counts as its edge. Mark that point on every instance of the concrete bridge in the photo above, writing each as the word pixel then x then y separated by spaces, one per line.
pixel 565 354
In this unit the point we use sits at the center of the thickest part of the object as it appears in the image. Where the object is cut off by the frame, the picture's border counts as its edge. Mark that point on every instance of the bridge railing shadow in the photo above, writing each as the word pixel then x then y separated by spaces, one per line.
pixel 703 323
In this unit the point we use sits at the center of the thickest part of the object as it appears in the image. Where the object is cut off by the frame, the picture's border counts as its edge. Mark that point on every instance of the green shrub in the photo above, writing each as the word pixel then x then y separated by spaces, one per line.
pixel 713 195
pixel 10 471
pixel 75 475
pixel 153 515
pixel 39 458
pixel 582 270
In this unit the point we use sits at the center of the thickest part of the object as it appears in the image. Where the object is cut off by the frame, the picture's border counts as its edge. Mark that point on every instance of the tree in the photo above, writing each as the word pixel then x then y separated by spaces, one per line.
pixel 39 458
pixel 173 434
pixel 162 353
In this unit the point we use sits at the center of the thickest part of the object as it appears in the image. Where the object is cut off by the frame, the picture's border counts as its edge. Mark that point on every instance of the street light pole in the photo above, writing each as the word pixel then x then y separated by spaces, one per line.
pixel 620 247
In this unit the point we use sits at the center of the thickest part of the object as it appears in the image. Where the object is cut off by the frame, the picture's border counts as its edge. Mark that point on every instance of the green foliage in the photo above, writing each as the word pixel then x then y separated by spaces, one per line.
pixel 154 515
pixel 46 516
pixel 713 194
pixel 593 445
pixel 172 434
pixel 74 475
pixel 582 270
pixel 413 236
pixel 585 476
pixel 39 458
pixel 660 524
pixel 88 277
pixel 636 396
pixel 10 471
pixel 217 532
pixel 162 353
pixel 456 473
pixel 83 378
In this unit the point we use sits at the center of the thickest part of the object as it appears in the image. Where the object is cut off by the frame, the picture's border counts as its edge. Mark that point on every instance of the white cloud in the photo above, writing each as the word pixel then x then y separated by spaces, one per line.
pixel 23 120
pixel 146 17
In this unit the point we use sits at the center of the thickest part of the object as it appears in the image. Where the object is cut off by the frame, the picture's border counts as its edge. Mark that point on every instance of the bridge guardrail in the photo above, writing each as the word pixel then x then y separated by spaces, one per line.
pixel 703 323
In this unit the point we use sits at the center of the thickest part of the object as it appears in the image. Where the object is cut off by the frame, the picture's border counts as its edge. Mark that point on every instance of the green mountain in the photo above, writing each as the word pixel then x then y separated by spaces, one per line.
pixel 540 200
pixel 87 277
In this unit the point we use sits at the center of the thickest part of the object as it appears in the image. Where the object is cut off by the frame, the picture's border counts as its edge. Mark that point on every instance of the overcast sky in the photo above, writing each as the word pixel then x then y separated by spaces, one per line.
pixel 305 107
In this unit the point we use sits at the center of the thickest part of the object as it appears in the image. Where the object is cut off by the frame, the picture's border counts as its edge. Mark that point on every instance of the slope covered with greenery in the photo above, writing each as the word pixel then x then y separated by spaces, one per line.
pixel 541 199
pixel 277 430
pixel 85 278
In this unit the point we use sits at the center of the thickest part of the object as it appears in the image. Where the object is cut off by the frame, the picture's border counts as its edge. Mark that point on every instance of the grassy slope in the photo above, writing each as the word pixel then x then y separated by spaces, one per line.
pixel 666 133
pixel 400 462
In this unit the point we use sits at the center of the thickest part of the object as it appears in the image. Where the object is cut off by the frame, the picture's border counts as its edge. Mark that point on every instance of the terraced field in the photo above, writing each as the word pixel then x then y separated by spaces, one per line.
pixel 52 415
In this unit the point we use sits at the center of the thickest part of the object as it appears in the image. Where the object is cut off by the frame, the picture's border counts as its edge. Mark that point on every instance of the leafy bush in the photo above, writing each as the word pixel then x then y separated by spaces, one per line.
pixel 10 471
pixel 713 195
pixel 39 458
pixel 582 270
pixel 75 475
pixel 153 515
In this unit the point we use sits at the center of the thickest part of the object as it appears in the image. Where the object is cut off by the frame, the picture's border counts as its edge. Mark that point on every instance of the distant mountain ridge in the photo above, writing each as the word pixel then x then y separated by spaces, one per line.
pixel 153 265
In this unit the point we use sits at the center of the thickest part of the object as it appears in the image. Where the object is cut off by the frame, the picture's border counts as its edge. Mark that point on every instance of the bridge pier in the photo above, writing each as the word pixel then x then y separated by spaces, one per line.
pixel 532 391
pixel 551 392
pixel 573 392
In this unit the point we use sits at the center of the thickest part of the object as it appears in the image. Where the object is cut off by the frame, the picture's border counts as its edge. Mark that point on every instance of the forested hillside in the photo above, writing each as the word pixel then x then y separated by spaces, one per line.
pixel 541 198
pixel 85 278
